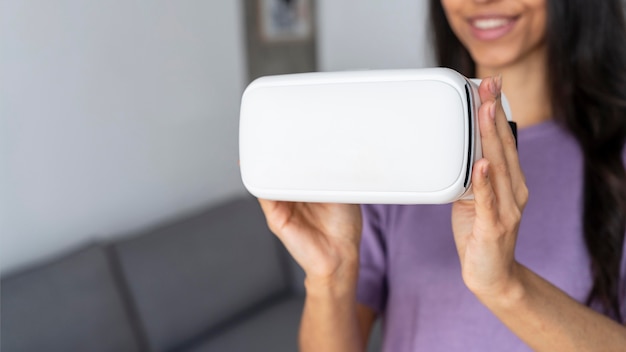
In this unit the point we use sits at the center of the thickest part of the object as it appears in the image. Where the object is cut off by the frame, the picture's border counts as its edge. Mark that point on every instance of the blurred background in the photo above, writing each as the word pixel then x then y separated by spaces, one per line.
pixel 115 114
pixel 119 116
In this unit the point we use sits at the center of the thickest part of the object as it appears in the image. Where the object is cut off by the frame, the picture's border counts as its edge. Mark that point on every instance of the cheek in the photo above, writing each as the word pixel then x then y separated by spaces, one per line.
pixel 537 5
pixel 451 4
pixel 539 22
pixel 537 9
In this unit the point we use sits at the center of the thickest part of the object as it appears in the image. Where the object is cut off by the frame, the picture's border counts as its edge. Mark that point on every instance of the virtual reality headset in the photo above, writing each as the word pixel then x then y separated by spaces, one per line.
pixel 382 137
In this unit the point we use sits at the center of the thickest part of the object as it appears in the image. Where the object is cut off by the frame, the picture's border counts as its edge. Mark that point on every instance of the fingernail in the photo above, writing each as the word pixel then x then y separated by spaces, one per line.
pixel 498 81
pixel 492 111
pixel 493 86
pixel 485 170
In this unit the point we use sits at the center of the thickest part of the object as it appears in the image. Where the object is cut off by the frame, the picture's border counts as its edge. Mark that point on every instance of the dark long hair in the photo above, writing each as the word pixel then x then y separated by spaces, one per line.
pixel 586 43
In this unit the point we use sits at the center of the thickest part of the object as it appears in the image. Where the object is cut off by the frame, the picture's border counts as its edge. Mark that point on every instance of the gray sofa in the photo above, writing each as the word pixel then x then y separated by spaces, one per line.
pixel 215 281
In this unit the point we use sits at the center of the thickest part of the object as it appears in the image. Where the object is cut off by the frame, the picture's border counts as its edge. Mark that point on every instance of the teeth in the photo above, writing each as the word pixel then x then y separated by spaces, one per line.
pixel 490 23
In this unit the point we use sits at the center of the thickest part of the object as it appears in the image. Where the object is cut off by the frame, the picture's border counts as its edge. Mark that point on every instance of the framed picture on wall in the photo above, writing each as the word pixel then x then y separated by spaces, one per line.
pixel 285 20
pixel 280 36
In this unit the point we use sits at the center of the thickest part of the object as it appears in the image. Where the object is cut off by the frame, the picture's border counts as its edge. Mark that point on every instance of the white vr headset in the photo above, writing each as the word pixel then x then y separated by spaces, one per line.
pixel 395 137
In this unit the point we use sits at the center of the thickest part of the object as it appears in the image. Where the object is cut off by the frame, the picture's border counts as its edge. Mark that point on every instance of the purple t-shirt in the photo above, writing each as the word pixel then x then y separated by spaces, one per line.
pixel 410 271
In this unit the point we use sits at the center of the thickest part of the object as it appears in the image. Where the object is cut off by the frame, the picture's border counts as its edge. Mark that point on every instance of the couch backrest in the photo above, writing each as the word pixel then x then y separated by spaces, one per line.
pixel 71 304
pixel 191 276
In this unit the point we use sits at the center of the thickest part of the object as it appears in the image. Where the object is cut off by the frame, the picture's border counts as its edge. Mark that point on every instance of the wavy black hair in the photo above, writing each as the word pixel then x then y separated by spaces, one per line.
pixel 586 45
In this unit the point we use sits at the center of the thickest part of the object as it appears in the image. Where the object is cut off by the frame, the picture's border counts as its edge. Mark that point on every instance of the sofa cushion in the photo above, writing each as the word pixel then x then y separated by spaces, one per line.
pixel 71 304
pixel 273 329
pixel 191 276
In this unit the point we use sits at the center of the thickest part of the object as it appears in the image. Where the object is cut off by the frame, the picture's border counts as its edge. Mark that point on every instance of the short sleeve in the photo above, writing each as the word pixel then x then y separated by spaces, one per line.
pixel 372 282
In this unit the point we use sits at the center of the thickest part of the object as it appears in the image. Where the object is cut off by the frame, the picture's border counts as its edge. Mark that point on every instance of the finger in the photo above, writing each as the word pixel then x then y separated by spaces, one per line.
pixel 494 152
pixel 509 145
pixel 267 205
pixel 275 215
pixel 484 196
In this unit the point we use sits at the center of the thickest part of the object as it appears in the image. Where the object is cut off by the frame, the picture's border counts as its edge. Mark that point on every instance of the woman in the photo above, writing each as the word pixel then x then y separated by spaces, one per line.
pixel 547 275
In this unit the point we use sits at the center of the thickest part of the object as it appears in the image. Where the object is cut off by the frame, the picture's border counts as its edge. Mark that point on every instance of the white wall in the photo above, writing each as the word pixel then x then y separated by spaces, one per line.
pixel 373 34
pixel 114 115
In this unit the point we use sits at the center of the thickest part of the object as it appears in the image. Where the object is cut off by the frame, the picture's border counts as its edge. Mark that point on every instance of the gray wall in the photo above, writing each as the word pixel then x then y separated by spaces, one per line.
pixel 113 115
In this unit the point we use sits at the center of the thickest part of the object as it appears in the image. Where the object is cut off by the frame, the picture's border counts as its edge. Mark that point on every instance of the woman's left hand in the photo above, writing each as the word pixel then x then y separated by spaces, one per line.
pixel 485 229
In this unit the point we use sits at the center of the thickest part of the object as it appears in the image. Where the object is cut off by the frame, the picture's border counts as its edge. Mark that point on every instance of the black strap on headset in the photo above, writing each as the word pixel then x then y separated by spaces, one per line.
pixel 514 130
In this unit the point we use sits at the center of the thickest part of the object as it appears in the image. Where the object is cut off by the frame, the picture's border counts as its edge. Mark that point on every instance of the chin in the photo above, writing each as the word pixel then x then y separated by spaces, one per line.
pixel 495 59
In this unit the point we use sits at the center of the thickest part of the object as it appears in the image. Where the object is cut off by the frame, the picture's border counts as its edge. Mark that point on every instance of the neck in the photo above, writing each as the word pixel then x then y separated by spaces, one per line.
pixel 525 84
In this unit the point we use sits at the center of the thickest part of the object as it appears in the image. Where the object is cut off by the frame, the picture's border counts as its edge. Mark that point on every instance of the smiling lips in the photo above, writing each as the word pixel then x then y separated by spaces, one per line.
pixel 491 27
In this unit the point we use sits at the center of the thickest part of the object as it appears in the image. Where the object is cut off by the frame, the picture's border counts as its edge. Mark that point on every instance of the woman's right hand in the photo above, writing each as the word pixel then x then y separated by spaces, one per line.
pixel 323 238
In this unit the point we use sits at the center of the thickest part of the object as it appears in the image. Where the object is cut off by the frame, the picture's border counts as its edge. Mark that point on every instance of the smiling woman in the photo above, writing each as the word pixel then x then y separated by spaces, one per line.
pixel 499 33
pixel 536 260
pixel 578 89
pixel 491 27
